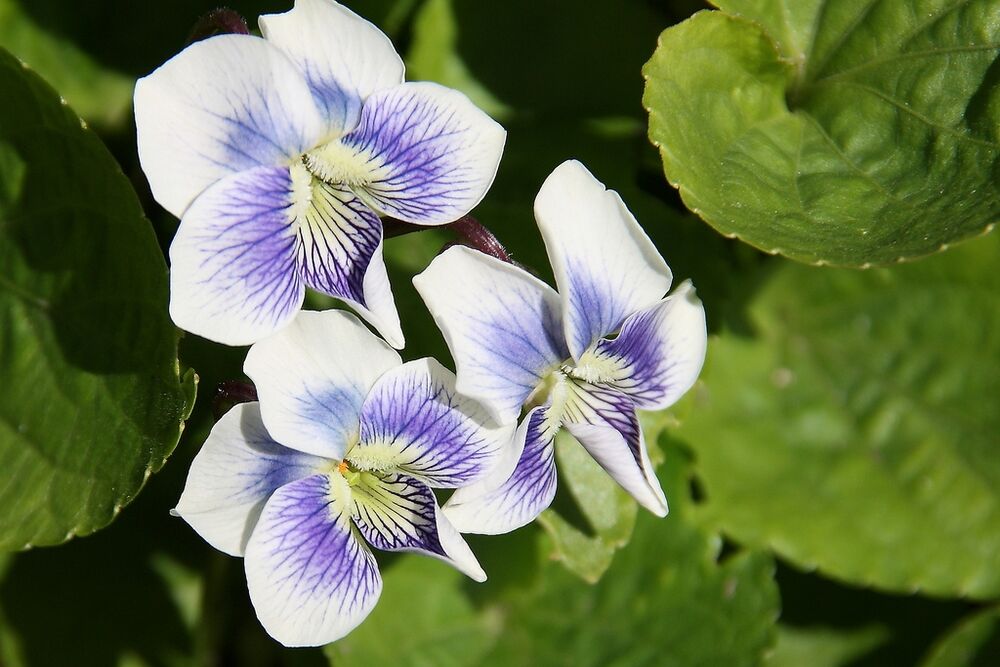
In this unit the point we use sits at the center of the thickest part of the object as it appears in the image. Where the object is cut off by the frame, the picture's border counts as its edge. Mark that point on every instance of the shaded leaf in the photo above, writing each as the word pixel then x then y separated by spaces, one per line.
pixel 975 642
pixel 95 402
pixel 841 132
pixel 823 647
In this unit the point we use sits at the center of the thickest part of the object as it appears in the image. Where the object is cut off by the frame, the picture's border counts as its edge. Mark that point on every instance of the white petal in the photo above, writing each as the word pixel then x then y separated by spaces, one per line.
pixel 518 489
pixel 501 324
pixel 605 423
pixel 311 580
pixel 341 256
pixel 233 268
pixel 344 57
pixel 658 354
pixel 236 471
pixel 414 421
pixel 312 378
pixel 396 512
pixel 220 106
pixel 429 152
pixel 606 267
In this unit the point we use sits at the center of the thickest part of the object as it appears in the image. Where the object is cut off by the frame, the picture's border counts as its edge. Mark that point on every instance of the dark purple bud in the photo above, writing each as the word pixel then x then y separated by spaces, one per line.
pixel 230 393
pixel 220 21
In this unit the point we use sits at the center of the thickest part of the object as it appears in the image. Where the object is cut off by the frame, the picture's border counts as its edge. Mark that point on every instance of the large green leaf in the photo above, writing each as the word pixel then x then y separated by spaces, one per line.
pixel 857 431
pixel 849 132
pixel 93 402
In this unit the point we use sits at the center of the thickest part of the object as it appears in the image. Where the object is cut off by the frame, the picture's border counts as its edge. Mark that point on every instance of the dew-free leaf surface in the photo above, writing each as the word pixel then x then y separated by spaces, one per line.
pixel 848 132
pixel 92 400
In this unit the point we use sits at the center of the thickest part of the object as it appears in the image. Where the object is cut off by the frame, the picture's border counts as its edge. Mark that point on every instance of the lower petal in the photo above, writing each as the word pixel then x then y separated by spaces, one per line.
pixel 311 579
pixel 233 274
pixel 431 152
pixel 658 353
pixel 605 423
pixel 341 256
pixel 519 488
pixel 399 513
pixel 236 471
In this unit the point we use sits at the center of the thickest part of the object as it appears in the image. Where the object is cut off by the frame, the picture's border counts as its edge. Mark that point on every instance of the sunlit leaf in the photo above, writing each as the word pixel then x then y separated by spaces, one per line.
pixel 846 132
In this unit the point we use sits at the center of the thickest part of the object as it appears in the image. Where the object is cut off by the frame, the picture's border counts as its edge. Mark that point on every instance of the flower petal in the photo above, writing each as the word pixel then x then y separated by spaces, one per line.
pixel 502 326
pixel 312 378
pixel 606 267
pixel 344 57
pixel 517 490
pixel 233 275
pixel 605 423
pixel 220 106
pixel 399 513
pixel 658 354
pixel 236 471
pixel 311 580
pixel 414 421
pixel 431 153
pixel 341 256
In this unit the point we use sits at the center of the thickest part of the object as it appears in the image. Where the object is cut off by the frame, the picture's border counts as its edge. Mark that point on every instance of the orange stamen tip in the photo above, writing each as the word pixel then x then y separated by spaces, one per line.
pixel 342 467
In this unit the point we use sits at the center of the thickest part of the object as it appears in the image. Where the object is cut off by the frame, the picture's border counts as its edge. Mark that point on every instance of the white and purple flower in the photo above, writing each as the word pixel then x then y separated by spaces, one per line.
pixel 340 452
pixel 585 358
pixel 280 153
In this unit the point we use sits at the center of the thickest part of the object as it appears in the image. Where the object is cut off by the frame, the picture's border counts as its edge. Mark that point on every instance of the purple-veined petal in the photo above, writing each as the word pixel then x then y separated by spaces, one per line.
pixel 431 154
pixel 341 256
pixel 658 354
pixel 606 267
pixel 233 266
pixel 311 579
pixel 221 106
pixel 605 423
pixel 501 324
pixel 236 471
pixel 312 378
pixel 517 490
pixel 344 57
pixel 396 512
pixel 414 421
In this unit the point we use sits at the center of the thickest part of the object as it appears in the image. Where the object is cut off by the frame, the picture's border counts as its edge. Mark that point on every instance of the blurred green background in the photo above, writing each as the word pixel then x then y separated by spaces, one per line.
pixel 832 478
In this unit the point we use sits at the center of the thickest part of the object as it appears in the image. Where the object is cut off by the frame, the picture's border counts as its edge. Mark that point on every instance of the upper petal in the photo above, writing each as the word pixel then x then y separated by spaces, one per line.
pixel 312 378
pixel 233 266
pixel 233 475
pixel 341 256
pixel 311 580
pixel 220 106
pixel 605 423
pixel 606 267
pixel 396 512
pixel 429 152
pixel 658 354
pixel 502 326
pixel 414 421
pixel 344 57
pixel 517 489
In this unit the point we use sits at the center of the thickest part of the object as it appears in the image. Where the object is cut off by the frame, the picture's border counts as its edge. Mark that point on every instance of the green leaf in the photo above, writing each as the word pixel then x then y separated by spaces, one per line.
pixel 422 620
pixel 99 94
pixel 856 431
pixel 666 600
pixel 604 513
pixel 975 642
pixel 824 647
pixel 94 402
pixel 847 132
